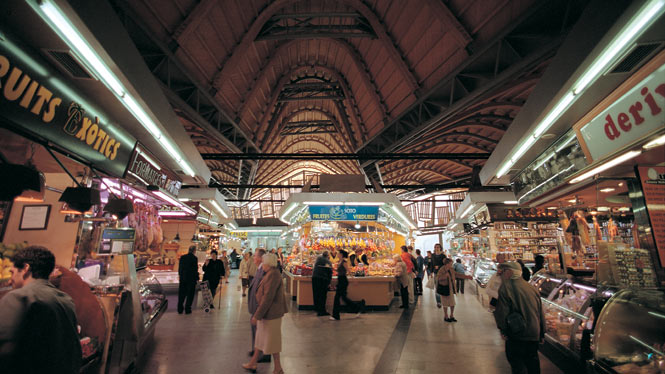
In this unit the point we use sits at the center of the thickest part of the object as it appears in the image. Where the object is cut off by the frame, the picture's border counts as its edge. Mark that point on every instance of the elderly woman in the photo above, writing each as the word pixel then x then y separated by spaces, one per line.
pixel 243 271
pixel 403 280
pixel 268 315
pixel 446 288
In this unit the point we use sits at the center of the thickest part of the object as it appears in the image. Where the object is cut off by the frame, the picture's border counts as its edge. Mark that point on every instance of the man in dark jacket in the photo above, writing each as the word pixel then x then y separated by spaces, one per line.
pixel 321 277
pixel 38 332
pixel 516 295
pixel 188 272
pixel 213 271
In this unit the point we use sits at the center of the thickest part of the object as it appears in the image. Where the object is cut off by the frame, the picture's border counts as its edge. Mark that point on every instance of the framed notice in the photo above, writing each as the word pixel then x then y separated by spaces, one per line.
pixel 653 187
pixel 35 217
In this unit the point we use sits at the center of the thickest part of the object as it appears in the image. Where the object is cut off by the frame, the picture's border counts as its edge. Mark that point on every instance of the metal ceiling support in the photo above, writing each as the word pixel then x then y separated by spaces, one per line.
pixel 345 156
pixel 186 95
pixel 268 69
pixel 316 25
pixel 311 91
pixel 444 13
pixel 192 20
pixel 279 168
pixel 248 39
pixel 532 39
pixel 443 185
pixel 335 75
pixel 343 143
pixel 308 127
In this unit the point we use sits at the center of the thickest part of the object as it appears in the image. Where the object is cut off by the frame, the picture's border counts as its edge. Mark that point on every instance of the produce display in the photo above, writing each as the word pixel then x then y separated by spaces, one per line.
pixel 378 251
pixel 6 252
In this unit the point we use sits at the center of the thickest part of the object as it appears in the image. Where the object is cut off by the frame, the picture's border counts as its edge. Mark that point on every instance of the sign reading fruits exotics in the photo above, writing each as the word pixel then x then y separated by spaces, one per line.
pixel 35 98
pixel 343 213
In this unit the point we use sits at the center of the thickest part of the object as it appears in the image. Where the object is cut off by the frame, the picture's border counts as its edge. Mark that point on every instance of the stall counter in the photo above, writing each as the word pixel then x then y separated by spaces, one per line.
pixel 377 291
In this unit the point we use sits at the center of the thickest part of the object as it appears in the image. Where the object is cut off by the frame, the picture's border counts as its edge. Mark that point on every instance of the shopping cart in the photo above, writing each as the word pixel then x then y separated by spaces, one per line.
pixel 206 294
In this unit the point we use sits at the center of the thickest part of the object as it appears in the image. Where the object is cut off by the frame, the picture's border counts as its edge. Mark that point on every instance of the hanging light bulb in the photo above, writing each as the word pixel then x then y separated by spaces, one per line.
pixel 357 226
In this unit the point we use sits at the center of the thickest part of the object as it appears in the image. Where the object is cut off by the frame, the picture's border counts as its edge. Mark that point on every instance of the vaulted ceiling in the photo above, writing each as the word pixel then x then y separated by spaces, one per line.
pixel 347 76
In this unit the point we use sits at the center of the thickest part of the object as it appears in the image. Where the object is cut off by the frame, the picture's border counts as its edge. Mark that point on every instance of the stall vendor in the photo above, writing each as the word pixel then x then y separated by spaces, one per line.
pixel 358 257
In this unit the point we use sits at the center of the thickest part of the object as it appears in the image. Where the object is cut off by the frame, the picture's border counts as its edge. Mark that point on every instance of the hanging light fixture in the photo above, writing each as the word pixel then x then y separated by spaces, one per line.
pixel 357 225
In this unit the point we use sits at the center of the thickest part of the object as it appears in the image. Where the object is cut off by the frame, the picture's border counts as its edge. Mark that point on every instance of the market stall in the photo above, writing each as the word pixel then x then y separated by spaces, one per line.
pixel 370 227
pixel 604 182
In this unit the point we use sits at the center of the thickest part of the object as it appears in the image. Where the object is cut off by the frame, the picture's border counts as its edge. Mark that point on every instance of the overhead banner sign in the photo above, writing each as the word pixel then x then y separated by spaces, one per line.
pixel 501 212
pixel 635 115
pixel 343 213
pixel 148 170
pixel 36 99
pixel 653 187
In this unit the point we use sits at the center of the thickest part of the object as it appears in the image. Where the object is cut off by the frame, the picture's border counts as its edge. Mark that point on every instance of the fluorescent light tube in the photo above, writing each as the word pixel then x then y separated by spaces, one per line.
pixel 615 161
pixel 403 217
pixel 554 114
pixel 467 210
pixel 219 208
pixel 655 143
pixel 640 21
pixel 76 42
pixel 510 202
pixel 287 211
pixel 366 203
pixel 153 163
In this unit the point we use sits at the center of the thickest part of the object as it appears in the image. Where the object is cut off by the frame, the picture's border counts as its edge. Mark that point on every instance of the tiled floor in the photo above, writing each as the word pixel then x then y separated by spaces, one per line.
pixel 218 342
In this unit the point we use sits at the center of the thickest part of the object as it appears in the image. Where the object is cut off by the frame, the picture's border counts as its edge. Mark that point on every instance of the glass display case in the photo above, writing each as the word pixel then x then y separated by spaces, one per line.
pixel 630 333
pixel 151 295
pixel 484 270
pixel 546 283
pixel 568 314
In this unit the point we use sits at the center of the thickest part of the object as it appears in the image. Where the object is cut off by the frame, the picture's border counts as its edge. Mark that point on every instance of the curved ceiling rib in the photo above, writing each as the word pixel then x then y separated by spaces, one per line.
pixel 250 36
pixel 269 119
pixel 281 56
pixel 271 177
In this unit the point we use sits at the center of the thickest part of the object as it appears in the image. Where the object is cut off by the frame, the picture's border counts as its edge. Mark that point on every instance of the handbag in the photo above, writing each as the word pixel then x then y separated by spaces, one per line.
pixel 430 283
pixel 443 290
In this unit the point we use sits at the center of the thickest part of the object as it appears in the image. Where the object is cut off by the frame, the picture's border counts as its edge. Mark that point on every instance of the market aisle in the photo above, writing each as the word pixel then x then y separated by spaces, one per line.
pixel 379 342
pixel 471 345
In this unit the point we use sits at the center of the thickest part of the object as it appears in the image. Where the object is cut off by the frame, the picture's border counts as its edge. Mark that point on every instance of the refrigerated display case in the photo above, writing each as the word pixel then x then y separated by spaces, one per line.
pixel 153 300
pixel 484 270
pixel 570 306
pixel 630 333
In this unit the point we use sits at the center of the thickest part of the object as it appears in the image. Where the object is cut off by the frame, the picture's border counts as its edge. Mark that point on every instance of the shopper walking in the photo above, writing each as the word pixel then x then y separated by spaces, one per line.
pixel 437 263
pixel 227 266
pixel 526 273
pixel 420 272
pixel 252 302
pixel 188 274
pixel 520 318
pixel 321 278
pixel 251 271
pixel 213 272
pixel 428 264
pixel 460 274
pixel 243 271
pixel 342 286
pixel 402 276
pixel 446 288
pixel 268 315
pixel 406 258
pixel 38 332
pixel 540 264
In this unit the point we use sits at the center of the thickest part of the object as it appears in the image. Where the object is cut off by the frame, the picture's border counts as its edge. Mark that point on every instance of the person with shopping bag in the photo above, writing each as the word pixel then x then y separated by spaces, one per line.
pixel 445 287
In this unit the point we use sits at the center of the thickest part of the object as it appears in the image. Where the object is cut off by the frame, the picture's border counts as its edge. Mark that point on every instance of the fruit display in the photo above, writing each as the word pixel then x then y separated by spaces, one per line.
pixel 6 252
